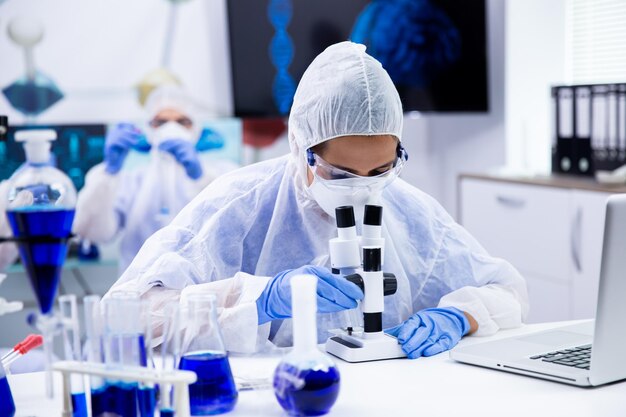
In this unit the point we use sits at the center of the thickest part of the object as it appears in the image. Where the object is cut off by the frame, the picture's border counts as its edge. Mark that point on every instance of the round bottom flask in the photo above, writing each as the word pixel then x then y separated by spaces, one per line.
pixel 306 381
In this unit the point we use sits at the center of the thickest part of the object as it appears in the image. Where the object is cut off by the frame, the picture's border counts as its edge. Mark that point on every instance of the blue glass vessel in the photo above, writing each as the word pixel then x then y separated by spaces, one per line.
pixel 215 391
pixel 306 382
pixel 7 406
pixel 306 391
pixel 43 261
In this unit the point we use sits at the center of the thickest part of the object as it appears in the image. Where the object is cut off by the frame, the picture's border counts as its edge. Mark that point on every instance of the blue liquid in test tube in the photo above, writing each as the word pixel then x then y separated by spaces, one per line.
pixel 167 412
pixel 146 397
pixel 99 401
pixel 79 405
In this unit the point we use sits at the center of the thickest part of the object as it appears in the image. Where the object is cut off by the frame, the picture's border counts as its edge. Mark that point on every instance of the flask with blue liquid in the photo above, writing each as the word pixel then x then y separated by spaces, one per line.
pixel 7 406
pixel 306 381
pixel 204 353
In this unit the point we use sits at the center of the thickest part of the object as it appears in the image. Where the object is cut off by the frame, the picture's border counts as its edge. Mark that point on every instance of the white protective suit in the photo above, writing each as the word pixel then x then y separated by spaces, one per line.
pixel 255 222
pixel 130 202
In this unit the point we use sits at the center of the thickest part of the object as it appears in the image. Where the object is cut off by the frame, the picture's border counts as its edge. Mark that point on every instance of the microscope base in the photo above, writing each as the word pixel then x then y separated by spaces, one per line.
pixel 360 349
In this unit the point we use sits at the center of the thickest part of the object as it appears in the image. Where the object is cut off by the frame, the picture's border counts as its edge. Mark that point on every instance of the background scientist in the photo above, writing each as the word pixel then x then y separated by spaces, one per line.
pixel 135 203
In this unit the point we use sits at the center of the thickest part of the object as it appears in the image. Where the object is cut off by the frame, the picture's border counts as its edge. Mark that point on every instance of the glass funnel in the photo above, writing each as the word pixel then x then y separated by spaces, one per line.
pixel 40 210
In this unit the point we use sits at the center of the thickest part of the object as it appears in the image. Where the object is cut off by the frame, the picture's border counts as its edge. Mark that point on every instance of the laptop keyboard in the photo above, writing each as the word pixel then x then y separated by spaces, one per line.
pixel 577 357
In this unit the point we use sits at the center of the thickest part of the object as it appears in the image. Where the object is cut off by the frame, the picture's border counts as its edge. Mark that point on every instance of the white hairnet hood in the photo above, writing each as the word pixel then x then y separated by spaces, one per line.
pixel 343 92
pixel 170 96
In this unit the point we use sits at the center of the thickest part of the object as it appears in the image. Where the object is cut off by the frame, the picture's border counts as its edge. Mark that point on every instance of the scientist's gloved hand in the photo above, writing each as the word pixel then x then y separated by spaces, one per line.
pixel 333 294
pixel 186 155
pixel 431 331
pixel 118 142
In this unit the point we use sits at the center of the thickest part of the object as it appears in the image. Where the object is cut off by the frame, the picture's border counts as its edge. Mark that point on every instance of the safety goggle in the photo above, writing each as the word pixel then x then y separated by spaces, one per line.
pixel 183 121
pixel 328 172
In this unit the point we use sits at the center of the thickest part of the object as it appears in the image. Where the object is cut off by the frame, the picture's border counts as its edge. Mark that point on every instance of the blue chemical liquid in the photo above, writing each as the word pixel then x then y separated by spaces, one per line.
pixel 99 402
pixel 122 399
pixel 167 412
pixel 306 392
pixel 7 406
pixel 215 391
pixel 146 397
pixel 43 261
pixel 79 405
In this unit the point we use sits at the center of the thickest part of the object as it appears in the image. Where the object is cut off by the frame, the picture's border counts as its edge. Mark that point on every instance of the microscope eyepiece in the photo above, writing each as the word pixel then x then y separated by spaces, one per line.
pixel 373 215
pixel 372 259
pixel 345 216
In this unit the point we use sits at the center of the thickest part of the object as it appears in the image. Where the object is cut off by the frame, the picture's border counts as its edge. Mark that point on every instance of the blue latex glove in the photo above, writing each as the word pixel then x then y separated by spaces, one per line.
pixel 333 294
pixel 185 153
pixel 431 331
pixel 118 142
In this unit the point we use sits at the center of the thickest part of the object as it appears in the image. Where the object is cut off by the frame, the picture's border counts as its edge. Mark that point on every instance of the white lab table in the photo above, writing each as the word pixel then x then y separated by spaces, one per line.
pixel 429 387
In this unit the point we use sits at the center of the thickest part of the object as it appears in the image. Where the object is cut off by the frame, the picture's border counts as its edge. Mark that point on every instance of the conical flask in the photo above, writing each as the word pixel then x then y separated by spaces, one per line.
pixel 203 352
pixel 40 209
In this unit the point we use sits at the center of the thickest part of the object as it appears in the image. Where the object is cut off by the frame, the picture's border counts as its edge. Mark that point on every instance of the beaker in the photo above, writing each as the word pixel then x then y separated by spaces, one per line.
pixel 203 352
pixel 123 346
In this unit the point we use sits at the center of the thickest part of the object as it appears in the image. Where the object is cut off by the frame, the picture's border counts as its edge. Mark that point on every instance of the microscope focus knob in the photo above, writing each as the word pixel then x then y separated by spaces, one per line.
pixel 356 279
pixel 390 283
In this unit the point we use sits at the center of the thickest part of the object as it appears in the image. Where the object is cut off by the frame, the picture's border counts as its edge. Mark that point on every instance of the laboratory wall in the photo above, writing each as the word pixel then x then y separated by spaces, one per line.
pixel 535 61
pixel 448 144
pixel 98 51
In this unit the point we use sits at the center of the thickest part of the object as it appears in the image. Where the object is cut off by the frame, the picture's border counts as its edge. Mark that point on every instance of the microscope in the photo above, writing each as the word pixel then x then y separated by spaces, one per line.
pixel 359 260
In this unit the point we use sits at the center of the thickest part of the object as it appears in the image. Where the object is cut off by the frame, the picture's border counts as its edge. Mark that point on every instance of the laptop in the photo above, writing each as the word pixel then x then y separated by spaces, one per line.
pixel 584 354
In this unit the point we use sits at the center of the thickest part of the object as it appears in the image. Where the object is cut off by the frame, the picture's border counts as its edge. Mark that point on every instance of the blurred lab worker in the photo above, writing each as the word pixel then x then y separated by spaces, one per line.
pixel 135 203
pixel 248 233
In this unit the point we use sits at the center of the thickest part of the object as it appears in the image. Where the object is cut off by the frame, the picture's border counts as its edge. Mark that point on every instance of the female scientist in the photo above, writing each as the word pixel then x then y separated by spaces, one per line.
pixel 253 229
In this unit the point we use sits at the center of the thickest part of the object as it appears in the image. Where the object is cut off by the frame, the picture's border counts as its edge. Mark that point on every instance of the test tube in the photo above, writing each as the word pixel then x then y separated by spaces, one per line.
pixel 170 356
pixel 123 346
pixel 147 393
pixel 71 344
pixel 93 353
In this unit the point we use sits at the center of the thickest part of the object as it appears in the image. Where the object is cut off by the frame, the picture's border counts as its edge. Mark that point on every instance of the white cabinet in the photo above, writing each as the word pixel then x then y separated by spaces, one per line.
pixel 552 235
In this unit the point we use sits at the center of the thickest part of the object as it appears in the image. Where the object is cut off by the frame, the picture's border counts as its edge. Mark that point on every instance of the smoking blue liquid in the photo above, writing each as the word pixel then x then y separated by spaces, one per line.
pixel 215 391
pixel 146 397
pixel 306 392
pixel 122 399
pixel 79 405
pixel 7 406
pixel 99 401
pixel 43 261
pixel 167 412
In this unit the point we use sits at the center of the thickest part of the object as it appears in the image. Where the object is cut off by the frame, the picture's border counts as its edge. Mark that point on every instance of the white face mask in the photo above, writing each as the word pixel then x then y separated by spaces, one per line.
pixel 170 130
pixel 355 192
